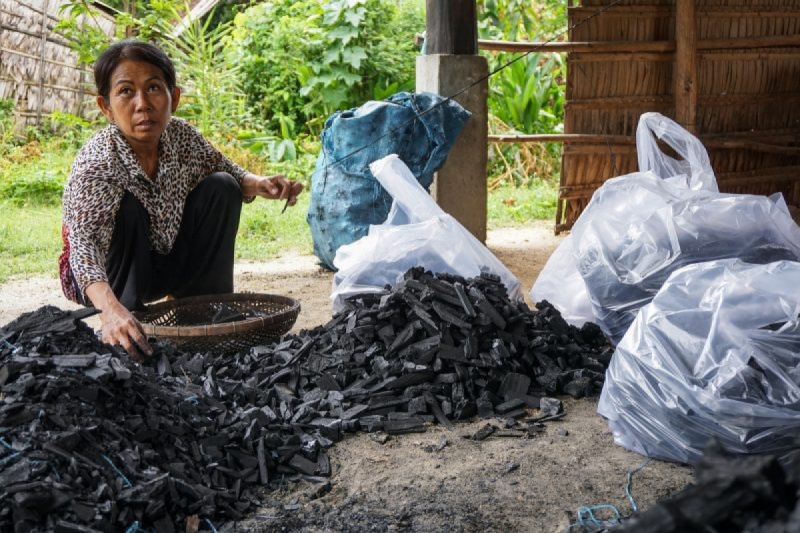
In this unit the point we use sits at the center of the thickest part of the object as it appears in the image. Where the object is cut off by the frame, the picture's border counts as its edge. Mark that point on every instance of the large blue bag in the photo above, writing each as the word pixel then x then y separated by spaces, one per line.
pixel 345 197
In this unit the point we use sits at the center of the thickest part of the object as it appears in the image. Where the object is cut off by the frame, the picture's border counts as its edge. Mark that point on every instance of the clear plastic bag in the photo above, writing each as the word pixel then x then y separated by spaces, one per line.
pixel 560 283
pixel 641 227
pixel 716 354
pixel 416 233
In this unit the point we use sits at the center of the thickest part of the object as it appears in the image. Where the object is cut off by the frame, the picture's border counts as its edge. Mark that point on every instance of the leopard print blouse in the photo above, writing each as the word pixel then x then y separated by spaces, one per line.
pixel 104 169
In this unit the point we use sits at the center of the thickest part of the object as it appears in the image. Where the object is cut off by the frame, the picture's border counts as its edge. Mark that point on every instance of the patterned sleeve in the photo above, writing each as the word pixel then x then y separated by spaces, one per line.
pixel 204 155
pixel 90 203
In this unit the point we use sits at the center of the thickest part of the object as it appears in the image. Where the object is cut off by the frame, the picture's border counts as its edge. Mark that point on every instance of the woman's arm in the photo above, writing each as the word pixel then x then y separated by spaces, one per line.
pixel 119 327
pixel 275 187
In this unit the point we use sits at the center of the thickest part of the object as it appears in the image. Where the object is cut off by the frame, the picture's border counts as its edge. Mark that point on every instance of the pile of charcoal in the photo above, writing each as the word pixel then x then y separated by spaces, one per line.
pixel 90 440
pixel 730 493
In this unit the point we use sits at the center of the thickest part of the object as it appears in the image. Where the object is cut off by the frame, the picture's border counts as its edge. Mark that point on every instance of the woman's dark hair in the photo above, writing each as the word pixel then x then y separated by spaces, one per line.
pixel 133 50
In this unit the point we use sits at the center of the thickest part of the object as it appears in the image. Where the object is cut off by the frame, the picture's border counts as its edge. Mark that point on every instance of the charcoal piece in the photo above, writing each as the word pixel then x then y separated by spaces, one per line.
pixel 485 409
pixel 399 427
pixel 164 367
pixel 303 465
pixel 514 386
pixel 483 433
pixel 164 525
pixel 447 377
pixel 226 314
pixel 487 308
pixel 438 411
pixel 420 349
pixel 464 299
pixel 403 338
pixel 121 372
pixel 354 411
pixel 263 472
pixel 412 378
pixel 579 388
pixel 531 402
pixel 450 315
pixel 328 383
pixel 371 423
pixel 418 405
pixel 515 413
pixel 74 361
pixel 62 526
pixel 551 406
pixel 509 406
pixel 451 353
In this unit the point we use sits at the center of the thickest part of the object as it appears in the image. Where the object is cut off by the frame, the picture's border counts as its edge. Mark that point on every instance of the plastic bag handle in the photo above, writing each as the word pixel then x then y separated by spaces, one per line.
pixel 695 166
pixel 408 195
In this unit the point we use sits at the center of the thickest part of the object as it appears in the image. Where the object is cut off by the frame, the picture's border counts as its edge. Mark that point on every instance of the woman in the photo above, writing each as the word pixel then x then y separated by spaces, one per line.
pixel 150 208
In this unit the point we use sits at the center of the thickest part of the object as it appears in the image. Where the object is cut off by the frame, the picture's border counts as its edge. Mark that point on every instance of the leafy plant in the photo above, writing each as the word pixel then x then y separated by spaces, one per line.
pixel 529 94
pixel 7 124
pixel 306 59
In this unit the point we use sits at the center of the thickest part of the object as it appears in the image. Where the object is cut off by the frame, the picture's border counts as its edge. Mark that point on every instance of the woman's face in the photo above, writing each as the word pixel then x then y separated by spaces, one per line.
pixel 139 103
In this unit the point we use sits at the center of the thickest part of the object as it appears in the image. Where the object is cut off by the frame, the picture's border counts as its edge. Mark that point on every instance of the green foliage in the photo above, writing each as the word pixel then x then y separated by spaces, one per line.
pixel 6 124
pixel 528 95
pixel 79 25
pixel 303 60
pixel 34 174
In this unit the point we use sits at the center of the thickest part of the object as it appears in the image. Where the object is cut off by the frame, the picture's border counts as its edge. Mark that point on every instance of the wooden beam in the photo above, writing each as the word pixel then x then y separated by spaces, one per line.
pixel 740 43
pixel 451 27
pixel 686 65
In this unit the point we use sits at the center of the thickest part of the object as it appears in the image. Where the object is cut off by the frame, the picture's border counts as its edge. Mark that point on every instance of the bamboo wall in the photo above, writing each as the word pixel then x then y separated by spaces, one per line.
pixel 37 68
pixel 746 88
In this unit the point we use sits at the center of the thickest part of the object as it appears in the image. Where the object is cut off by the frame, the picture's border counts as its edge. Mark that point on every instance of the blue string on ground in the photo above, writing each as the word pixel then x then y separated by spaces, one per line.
pixel 586 518
pixel 8 458
pixel 210 525
pixel 119 472
pixel 53 468
pixel 629 486
pixel 5 443
pixel 134 528
pixel 6 343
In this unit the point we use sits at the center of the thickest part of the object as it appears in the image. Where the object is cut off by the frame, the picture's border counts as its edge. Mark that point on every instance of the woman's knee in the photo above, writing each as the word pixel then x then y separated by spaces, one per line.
pixel 222 184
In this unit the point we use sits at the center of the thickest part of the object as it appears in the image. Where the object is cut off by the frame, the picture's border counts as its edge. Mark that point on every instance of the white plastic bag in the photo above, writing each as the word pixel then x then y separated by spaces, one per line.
pixel 639 228
pixel 716 354
pixel 560 283
pixel 416 233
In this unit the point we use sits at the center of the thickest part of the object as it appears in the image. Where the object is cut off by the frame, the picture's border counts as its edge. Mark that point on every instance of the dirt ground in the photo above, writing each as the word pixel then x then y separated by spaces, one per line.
pixel 436 481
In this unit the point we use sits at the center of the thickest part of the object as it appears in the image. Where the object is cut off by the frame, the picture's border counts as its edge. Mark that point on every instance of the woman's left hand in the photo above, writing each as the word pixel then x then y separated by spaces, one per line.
pixel 277 187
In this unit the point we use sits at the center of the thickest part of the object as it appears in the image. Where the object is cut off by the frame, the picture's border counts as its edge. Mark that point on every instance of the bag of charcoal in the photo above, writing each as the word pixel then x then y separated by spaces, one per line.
pixel 416 233
pixel 715 355
pixel 639 228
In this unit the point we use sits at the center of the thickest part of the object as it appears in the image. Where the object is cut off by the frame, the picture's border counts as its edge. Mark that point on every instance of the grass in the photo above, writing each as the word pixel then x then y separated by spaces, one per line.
pixel 30 240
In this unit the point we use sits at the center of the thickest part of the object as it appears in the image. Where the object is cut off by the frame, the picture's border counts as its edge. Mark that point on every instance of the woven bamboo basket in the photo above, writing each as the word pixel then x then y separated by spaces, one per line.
pixel 188 322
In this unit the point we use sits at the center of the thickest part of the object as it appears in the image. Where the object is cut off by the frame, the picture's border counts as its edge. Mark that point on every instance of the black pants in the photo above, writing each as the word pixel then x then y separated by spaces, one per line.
pixel 201 260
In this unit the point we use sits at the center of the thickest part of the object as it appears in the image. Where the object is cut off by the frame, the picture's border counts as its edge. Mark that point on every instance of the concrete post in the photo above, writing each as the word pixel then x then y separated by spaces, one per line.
pixel 460 185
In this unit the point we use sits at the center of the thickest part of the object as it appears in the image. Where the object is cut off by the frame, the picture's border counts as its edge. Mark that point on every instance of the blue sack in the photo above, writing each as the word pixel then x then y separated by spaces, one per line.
pixel 345 197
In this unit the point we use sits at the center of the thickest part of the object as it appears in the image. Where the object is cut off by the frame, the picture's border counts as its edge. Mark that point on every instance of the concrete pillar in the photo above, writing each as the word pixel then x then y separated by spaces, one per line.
pixel 460 185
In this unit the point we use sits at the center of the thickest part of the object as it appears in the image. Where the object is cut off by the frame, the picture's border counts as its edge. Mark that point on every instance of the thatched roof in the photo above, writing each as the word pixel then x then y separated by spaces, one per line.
pixel 37 68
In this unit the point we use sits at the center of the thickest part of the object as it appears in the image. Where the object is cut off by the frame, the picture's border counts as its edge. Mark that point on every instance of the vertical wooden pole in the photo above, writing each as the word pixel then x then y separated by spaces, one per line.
pixel 42 65
pixel 686 65
pixel 451 27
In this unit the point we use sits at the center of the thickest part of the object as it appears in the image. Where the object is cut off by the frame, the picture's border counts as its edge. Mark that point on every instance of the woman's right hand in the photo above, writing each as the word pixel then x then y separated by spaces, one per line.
pixel 119 327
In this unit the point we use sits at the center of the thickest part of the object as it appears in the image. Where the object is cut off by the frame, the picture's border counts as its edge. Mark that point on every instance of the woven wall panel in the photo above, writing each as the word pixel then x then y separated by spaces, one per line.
pixel 747 92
